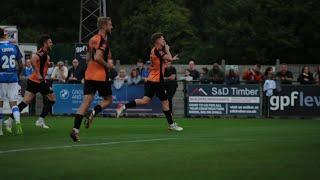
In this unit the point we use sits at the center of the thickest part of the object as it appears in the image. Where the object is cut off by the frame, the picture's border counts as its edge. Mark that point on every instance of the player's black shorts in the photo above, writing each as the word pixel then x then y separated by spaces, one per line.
pixel 43 87
pixel 103 88
pixel 154 88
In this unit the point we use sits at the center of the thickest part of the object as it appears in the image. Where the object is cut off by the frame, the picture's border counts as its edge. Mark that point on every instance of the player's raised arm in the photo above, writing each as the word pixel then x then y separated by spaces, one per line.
pixel 168 56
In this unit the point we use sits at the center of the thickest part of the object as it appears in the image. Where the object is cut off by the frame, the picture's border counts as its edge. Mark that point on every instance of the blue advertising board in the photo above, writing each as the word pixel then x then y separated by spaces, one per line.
pixel 70 96
pixel 221 100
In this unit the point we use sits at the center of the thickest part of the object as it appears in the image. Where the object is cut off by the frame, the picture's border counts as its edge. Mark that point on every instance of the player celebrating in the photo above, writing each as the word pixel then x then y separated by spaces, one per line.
pixel 159 55
pixel 37 83
pixel 9 87
pixel 96 77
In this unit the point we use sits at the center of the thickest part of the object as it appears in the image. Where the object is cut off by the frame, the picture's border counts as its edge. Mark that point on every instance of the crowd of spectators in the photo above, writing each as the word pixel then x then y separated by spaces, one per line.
pixel 59 73
pixel 216 74
pixel 251 75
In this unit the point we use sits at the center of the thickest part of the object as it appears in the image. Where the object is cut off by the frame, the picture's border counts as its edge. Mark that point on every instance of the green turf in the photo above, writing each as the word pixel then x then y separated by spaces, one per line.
pixel 144 149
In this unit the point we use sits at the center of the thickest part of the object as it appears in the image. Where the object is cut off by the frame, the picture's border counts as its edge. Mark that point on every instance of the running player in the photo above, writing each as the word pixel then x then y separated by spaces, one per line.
pixel 37 83
pixel 9 87
pixel 154 84
pixel 96 77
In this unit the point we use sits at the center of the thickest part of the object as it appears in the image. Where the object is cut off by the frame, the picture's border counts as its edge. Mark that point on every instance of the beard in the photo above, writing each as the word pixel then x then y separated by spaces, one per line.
pixel 49 49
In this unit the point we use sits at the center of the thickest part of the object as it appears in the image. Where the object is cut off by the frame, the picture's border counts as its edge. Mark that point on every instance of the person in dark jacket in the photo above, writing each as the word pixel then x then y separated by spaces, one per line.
pixel 170 78
pixel 232 77
pixel 306 77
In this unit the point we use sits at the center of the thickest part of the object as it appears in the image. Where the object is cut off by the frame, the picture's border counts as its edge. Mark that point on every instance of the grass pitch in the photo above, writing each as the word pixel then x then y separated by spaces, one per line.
pixel 144 149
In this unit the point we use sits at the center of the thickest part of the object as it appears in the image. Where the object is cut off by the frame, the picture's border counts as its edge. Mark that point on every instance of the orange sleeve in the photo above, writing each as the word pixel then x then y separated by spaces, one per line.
pixel 94 42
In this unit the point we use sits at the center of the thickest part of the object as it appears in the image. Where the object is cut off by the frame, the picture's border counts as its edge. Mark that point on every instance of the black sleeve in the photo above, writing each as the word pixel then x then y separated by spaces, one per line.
pixel 69 73
pixel 311 78
pixel 174 71
pixel 300 78
pixel 197 75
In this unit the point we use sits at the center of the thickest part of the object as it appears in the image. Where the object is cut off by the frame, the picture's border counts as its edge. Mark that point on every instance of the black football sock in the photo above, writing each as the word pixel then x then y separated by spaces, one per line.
pixel 168 115
pixel 170 105
pixel 131 104
pixel 77 121
pixel 97 109
pixel 47 108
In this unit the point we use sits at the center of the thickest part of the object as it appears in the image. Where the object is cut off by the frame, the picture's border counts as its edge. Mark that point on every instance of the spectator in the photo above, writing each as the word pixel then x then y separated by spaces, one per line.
pixel 204 76
pixel 268 74
pixel 60 73
pixel 170 78
pixel 27 70
pixel 232 77
pixel 50 71
pixel 253 75
pixel 216 74
pixel 45 100
pixel 284 76
pixel 112 72
pixel 134 77
pixel 75 73
pixel 192 69
pixel 317 76
pixel 269 85
pixel 306 76
pixel 121 79
pixel 142 71
pixel 145 73
pixel 187 76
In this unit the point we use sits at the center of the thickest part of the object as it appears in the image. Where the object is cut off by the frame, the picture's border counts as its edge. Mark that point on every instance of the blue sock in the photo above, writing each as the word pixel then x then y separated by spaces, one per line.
pixel 16 114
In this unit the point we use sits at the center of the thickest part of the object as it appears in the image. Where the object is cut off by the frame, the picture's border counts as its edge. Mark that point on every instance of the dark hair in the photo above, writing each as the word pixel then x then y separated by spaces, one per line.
pixel 192 59
pixel 156 36
pixel 1 33
pixel 232 73
pixel 267 70
pixel 43 39
pixel 131 74
pixel 303 69
pixel 205 70
pixel 258 65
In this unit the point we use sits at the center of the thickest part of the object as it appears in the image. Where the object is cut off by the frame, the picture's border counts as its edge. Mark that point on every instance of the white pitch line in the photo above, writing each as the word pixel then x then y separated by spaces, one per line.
pixel 82 145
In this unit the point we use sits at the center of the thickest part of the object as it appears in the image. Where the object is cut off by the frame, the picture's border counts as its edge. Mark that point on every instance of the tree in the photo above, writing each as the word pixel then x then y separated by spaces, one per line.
pixel 132 38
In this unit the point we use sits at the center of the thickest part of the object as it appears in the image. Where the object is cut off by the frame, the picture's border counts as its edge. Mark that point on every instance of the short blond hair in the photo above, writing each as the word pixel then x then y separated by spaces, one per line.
pixel 102 20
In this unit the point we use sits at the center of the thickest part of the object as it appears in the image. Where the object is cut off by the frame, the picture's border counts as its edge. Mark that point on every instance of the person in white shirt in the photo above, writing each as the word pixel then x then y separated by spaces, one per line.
pixel 121 79
pixel 50 71
pixel 60 73
pixel 134 77
pixel 187 76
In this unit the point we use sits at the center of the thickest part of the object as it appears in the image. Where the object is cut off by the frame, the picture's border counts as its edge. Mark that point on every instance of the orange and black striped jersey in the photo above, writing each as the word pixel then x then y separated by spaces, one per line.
pixel 42 65
pixel 96 71
pixel 157 65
